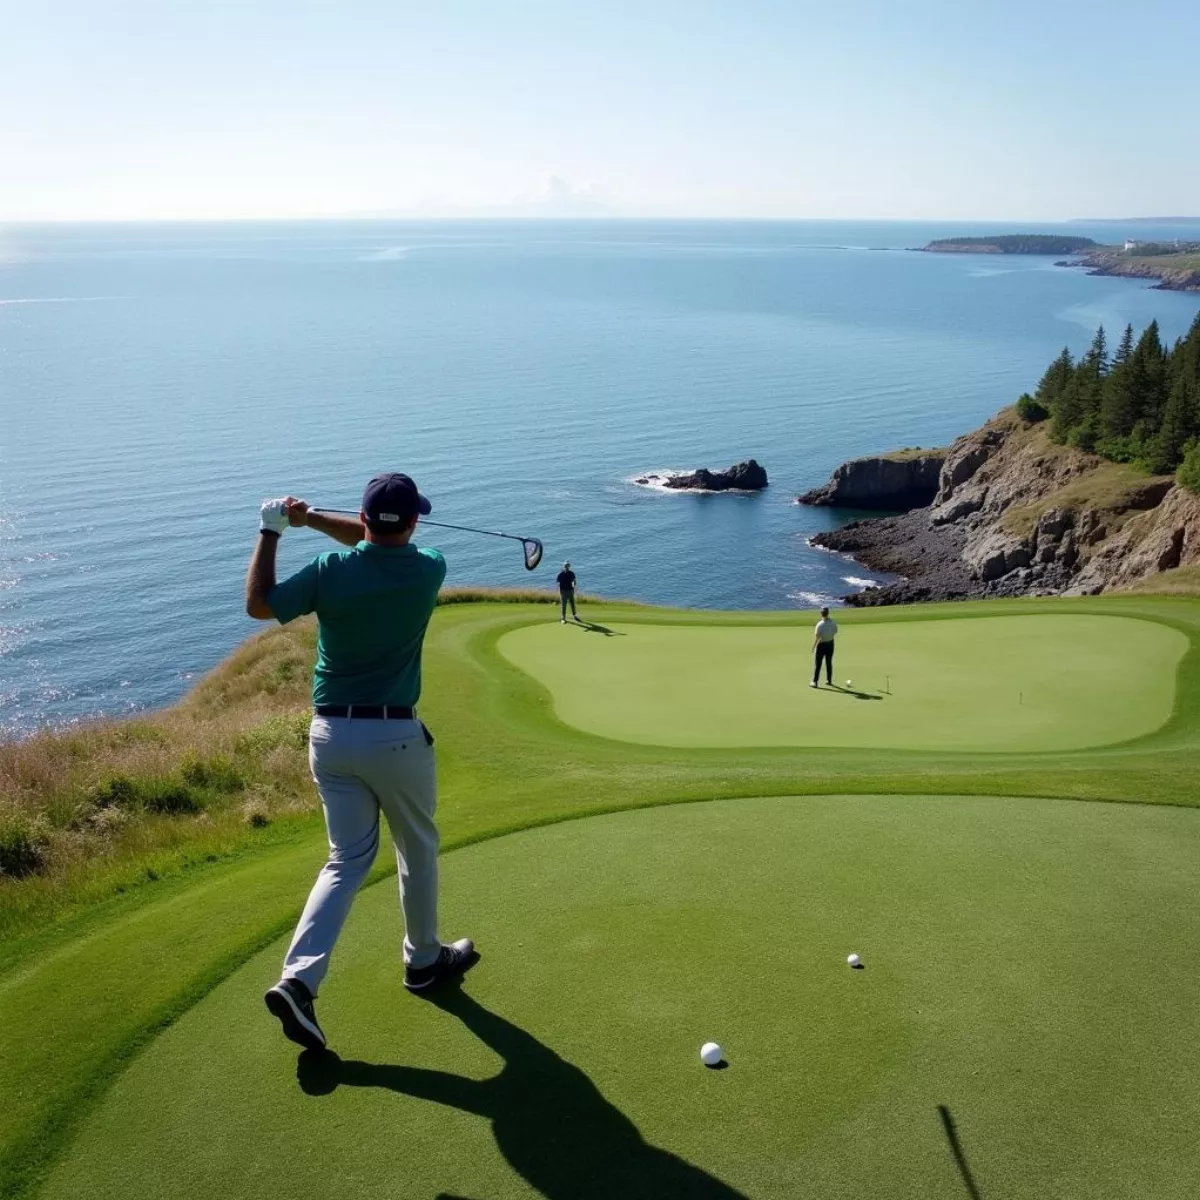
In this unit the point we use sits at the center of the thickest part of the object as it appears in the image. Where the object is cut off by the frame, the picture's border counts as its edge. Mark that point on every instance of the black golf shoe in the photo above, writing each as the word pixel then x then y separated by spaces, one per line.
pixel 453 961
pixel 292 1002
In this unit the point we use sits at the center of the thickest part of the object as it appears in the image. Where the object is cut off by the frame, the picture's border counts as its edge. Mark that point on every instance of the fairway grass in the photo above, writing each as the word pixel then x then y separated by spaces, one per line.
pixel 89 996
pixel 1027 965
pixel 1024 683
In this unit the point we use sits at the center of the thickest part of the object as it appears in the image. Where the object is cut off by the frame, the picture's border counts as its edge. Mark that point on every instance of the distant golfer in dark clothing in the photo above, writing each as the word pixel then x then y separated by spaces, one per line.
pixel 566 592
pixel 823 636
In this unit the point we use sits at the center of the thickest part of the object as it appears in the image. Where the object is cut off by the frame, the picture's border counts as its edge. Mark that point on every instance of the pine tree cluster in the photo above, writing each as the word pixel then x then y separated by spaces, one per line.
pixel 1140 404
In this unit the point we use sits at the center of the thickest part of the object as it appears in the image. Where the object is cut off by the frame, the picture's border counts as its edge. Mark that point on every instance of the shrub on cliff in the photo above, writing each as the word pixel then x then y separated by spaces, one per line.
pixel 1188 475
pixel 217 772
pixel 1031 410
pixel 24 845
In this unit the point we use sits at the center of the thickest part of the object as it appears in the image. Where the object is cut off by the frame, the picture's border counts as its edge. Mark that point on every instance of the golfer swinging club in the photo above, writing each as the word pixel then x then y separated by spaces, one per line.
pixel 823 635
pixel 367 749
pixel 566 592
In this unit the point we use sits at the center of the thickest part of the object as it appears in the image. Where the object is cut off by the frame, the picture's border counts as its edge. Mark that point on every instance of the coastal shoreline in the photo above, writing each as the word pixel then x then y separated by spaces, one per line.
pixel 1174 273
pixel 926 561
pixel 1175 265
pixel 1017 514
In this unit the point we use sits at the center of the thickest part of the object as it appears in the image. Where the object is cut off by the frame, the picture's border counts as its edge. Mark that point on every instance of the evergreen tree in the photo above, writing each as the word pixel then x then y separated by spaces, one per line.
pixel 1152 386
pixel 1124 351
pixel 1089 390
pixel 1120 405
pixel 1096 359
pixel 1069 410
pixel 1087 434
pixel 1054 382
pixel 1142 404
pixel 1182 412
pixel 1185 360
pixel 1180 424
pixel 1191 343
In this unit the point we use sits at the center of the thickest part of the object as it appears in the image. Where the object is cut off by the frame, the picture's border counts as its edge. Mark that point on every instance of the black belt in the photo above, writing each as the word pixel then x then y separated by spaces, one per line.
pixel 371 712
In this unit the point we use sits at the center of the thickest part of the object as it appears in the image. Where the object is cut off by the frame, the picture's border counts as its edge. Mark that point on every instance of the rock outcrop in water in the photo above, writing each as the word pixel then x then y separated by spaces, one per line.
pixel 888 482
pixel 741 477
pixel 1015 514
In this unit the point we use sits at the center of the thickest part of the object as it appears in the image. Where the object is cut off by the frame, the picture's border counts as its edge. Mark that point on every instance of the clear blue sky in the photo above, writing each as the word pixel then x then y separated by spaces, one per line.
pixel 846 108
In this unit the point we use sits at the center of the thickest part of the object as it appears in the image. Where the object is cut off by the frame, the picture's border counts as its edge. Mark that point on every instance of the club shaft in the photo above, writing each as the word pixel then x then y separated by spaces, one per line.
pixel 471 529
pixel 350 512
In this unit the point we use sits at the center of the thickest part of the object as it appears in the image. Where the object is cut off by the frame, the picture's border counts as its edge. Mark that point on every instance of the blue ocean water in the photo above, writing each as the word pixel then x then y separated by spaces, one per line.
pixel 157 381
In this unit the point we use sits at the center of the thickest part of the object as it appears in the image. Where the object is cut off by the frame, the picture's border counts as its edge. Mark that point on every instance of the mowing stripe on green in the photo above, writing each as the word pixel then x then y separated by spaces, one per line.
pixel 1028 965
pixel 1027 683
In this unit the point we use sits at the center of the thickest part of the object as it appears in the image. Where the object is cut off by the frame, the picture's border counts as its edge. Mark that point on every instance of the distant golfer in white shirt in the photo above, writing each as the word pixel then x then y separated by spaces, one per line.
pixel 823 636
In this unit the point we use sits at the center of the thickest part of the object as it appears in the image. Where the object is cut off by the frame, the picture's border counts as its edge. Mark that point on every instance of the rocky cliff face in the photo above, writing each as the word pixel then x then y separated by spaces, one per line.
pixel 892 483
pixel 1015 514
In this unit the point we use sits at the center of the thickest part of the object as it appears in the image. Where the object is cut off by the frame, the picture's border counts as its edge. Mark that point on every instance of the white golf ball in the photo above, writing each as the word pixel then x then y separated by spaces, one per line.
pixel 711 1054
pixel 854 960
pixel 849 682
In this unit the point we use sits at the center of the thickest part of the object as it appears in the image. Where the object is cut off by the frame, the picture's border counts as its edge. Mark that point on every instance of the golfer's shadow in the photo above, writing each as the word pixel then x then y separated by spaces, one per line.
pixel 833 687
pixel 550 1121
pixel 592 627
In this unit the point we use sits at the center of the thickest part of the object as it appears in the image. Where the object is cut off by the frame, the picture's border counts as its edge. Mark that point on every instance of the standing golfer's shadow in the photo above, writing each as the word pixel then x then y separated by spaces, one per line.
pixel 592 627
pixel 845 691
pixel 550 1121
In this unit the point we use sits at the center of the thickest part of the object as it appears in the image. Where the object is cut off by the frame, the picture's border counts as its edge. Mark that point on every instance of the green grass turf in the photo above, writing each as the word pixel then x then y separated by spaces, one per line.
pixel 81 997
pixel 1028 965
pixel 1002 683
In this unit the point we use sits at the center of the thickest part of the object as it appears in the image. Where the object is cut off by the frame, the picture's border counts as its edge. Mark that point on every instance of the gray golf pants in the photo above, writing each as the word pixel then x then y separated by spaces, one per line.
pixel 568 597
pixel 361 767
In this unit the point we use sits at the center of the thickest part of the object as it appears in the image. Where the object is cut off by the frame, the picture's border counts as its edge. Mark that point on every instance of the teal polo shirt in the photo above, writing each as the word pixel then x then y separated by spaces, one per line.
pixel 373 604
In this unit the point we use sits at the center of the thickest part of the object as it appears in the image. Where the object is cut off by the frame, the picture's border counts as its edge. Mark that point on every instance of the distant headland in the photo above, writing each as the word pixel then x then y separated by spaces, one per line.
pixel 1175 264
pixel 1011 243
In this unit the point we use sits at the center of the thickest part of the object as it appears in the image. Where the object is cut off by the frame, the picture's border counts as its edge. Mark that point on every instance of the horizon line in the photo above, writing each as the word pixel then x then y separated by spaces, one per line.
pixel 591 218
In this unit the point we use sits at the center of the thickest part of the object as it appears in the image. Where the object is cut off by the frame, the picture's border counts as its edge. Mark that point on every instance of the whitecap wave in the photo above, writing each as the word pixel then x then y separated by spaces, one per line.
pixel 855 581
pixel 656 480
pixel 849 558
pixel 812 599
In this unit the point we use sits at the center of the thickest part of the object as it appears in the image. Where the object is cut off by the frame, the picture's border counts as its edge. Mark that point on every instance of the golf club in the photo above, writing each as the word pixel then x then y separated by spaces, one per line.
pixel 531 546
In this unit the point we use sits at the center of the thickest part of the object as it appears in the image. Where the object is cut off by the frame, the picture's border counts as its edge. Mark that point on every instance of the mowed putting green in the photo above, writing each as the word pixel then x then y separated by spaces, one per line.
pixel 1010 683
pixel 1029 966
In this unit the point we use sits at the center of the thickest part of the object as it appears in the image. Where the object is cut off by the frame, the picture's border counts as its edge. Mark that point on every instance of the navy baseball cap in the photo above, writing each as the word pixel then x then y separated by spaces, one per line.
pixel 393 499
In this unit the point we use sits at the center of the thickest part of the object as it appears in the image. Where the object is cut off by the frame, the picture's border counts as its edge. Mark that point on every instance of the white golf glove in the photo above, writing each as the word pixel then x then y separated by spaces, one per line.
pixel 273 516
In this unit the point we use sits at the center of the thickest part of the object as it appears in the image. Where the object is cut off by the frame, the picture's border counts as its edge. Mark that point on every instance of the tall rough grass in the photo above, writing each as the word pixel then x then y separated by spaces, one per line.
pixel 228 759
pixel 510 595
pixel 112 787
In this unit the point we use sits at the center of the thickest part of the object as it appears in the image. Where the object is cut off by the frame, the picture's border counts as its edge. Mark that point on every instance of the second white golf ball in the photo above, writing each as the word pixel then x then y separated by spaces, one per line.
pixel 711 1054
pixel 854 960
